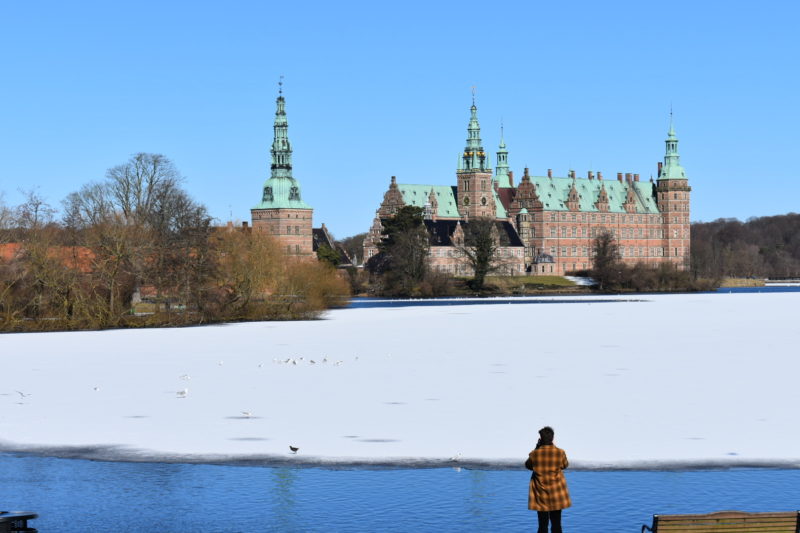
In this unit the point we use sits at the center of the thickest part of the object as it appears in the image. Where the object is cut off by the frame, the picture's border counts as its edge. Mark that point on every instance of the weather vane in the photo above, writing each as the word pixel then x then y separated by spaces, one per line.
pixel 280 85
pixel 473 95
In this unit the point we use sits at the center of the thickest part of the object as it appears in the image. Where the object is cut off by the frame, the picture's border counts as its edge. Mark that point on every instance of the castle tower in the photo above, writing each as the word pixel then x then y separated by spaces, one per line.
pixel 475 192
pixel 282 211
pixel 501 175
pixel 672 197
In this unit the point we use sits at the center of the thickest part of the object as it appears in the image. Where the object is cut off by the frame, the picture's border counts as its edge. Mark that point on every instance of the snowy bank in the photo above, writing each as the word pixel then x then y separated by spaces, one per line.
pixel 675 381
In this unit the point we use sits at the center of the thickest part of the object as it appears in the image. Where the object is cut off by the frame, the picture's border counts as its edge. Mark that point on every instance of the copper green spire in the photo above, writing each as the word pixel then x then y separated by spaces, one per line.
pixel 474 158
pixel 501 170
pixel 672 169
pixel 281 147
pixel 281 190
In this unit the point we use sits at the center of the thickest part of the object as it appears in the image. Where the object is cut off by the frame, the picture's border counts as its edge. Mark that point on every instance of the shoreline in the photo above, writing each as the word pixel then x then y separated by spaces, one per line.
pixel 121 454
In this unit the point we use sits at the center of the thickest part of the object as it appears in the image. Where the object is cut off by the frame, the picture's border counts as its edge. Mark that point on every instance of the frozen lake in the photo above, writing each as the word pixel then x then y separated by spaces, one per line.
pixel 667 381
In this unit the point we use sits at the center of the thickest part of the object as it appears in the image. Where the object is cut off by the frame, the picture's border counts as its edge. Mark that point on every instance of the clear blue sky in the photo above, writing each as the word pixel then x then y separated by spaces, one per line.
pixel 378 89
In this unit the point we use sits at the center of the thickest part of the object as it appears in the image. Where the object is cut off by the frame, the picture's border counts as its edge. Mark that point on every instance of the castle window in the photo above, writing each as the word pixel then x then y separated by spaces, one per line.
pixel 613 219
pixel 553 232
pixel 297 230
pixel 288 230
pixel 297 249
pixel 563 232
pixel 288 248
pixel 564 252
pixel 574 217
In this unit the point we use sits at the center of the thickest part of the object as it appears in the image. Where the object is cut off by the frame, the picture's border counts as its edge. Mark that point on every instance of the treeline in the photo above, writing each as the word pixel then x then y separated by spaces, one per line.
pixel 764 247
pixel 137 235
pixel 613 275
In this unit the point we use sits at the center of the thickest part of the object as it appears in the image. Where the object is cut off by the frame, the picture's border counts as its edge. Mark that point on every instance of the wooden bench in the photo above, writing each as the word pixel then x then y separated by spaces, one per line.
pixel 725 522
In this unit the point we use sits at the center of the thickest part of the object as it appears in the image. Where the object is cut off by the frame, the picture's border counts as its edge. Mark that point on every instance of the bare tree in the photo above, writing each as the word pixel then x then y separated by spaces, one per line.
pixel 480 249
pixel 606 264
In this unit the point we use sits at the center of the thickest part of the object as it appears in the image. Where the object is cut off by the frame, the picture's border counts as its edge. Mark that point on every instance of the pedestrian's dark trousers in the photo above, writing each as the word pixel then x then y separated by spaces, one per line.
pixel 552 517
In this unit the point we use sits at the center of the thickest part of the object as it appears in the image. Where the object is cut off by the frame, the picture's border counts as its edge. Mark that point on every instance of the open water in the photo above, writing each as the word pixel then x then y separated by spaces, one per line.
pixel 78 495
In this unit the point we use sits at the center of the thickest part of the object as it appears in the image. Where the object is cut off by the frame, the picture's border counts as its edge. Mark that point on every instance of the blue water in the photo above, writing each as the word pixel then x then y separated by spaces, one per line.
pixel 80 495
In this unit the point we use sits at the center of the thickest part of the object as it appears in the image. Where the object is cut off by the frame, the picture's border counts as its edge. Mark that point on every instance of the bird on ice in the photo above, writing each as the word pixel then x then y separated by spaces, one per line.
pixel 456 457
pixel 293 449
pixel 312 362
pixel 22 394
pixel 96 389
pixel 247 414
pixel 182 393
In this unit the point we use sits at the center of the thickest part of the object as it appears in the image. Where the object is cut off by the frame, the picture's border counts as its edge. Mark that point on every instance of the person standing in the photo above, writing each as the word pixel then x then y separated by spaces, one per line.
pixel 547 492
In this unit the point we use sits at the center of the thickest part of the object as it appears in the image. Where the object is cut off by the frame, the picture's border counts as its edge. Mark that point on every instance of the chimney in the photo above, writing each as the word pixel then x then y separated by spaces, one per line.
pixel 636 177
pixel 619 177
pixel 659 169
pixel 600 176
pixel 549 172
pixel 244 225
pixel 628 177
pixel 394 180
pixel 591 175
pixel 572 174
pixel 511 177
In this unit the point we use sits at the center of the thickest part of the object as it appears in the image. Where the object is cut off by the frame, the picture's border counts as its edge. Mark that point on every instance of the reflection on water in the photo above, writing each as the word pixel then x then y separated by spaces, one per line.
pixel 73 494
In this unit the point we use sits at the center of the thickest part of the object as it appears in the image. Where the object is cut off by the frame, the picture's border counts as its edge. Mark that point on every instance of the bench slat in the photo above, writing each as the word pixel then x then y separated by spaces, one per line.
pixel 729 522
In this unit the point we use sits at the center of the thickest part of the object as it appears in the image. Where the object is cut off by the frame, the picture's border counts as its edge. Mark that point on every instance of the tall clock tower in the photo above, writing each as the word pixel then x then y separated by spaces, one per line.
pixel 475 192
pixel 282 211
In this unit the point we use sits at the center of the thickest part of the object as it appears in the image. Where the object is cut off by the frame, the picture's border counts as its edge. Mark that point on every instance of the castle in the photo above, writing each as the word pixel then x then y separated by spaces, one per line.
pixel 547 224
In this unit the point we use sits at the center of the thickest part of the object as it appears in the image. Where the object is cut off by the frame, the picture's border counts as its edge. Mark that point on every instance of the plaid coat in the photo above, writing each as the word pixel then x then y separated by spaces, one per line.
pixel 548 487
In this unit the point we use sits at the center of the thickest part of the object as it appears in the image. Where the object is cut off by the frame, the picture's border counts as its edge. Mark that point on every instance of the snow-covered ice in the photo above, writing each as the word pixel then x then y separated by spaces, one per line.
pixel 667 382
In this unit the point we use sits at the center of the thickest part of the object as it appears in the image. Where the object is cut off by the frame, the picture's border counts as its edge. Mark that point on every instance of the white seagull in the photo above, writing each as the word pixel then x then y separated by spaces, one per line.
pixel 183 393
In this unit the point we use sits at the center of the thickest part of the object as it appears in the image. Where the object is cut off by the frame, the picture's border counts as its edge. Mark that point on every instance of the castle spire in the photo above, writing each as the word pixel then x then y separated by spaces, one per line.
pixel 281 190
pixel 672 161
pixel 281 147
pixel 501 170
pixel 474 157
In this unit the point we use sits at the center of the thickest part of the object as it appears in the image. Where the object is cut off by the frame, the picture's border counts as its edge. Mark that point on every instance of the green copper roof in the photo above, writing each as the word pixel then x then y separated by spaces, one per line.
pixel 447 207
pixel 417 195
pixel 281 190
pixel 474 157
pixel 501 211
pixel 672 169
pixel 501 170
pixel 553 194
